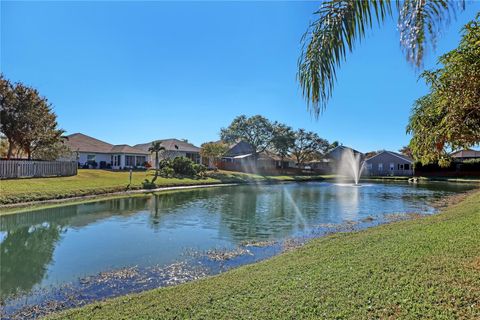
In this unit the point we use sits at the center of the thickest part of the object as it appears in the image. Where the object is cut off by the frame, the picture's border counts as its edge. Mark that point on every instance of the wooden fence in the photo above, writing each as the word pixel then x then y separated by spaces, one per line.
pixel 11 169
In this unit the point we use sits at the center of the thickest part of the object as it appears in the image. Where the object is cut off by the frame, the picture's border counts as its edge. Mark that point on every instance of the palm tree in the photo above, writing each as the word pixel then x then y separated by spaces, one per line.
pixel 156 147
pixel 341 23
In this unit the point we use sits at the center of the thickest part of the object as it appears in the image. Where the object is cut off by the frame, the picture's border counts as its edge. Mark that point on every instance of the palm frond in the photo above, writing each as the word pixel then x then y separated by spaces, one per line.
pixel 339 25
pixel 419 23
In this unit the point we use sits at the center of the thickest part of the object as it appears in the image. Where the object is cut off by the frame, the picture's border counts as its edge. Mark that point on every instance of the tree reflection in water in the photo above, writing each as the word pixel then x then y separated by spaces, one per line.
pixel 25 254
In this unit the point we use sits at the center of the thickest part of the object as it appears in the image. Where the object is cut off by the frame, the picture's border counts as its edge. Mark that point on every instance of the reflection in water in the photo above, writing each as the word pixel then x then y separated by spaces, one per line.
pixel 56 245
pixel 348 201
pixel 25 254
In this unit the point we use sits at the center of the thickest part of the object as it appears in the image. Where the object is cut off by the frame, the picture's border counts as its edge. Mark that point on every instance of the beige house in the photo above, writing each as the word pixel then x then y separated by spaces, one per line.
pixel 466 154
pixel 95 153
pixel 173 148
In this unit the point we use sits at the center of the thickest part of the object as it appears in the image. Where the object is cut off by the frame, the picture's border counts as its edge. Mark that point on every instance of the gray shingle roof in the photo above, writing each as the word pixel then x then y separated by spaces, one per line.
pixel 83 143
pixel 170 145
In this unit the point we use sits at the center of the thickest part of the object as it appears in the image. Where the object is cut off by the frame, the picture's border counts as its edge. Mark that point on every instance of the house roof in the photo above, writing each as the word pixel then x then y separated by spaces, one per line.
pixel 83 143
pixel 125 148
pixel 466 153
pixel 341 148
pixel 170 145
pixel 395 154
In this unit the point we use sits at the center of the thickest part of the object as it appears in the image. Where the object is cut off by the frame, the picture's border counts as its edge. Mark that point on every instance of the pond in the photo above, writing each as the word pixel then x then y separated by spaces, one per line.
pixel 66 256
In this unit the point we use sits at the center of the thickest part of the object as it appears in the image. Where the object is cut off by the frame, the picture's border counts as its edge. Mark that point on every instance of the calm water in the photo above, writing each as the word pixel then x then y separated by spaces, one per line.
pixel 50 247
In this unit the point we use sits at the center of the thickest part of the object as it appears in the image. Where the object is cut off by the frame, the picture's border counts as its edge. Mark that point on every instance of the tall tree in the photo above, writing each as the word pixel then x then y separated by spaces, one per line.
pixel 9 125
pixel 340 24
pixel 37 120
pixel 156 147
pixel 448 117
pixel 27 120
pixel 332 146
pixel 283 140
pixel 213 151
pixel 405 150
pixel 307 145
pixel 256 130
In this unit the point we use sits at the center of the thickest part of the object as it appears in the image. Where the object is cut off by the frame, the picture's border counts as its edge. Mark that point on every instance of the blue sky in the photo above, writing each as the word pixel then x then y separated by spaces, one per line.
pixel 130 72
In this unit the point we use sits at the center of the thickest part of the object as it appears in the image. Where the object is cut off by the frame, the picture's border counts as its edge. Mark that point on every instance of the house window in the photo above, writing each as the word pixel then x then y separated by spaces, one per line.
pixel 195 157
pixel 140 161
pixel 129 161
pixel 115 160
pixel 90 157
pixel 380 167
pixel 399 166
pixel 406 166
pixel 392 166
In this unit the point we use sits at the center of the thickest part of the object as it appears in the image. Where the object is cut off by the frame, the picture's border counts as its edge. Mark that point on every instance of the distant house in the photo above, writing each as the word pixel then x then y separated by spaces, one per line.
pixel 330 161
pixel 240 157
pixel 173 148
pixel 336 153
pixel 94 153
pixel 389 163
pixel 466 154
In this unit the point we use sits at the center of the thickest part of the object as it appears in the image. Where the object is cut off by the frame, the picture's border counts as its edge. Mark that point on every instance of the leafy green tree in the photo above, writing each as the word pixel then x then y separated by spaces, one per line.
pixel 283 140
pixel 405 150
pixel 332 146
pixel 156 147
pixel 27 120
pixel 213 151
pixel 37 120
pixel 448 117
pixel 256 130
pixel 9 125
pixel 340 24
pixel 307 145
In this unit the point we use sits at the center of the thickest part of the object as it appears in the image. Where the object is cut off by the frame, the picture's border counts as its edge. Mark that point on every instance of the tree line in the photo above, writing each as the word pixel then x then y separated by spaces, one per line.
pixel 28 123
pixel 264 135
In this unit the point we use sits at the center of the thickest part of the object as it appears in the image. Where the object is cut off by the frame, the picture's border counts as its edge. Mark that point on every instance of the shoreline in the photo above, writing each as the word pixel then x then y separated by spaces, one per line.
pixel 13 208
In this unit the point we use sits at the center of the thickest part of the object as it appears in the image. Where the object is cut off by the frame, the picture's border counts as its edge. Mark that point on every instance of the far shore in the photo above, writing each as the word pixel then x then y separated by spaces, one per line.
pixel 92 185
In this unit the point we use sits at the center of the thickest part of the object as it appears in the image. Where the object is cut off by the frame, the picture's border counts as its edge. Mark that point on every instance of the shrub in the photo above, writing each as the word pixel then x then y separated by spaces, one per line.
pixel 103 164
pixel 200 170
pixel 167 172
pixel 183 166
pixel 165 163
pixel 148 185
pixel 92 164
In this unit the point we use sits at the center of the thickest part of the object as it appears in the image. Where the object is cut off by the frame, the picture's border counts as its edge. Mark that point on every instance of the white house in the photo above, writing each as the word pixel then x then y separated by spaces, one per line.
pixel 90 151
pixel 173 148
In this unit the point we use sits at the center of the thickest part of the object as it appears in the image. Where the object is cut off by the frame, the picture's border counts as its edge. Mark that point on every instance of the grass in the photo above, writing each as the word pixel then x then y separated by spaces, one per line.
pixel 96 182
pixel 427 268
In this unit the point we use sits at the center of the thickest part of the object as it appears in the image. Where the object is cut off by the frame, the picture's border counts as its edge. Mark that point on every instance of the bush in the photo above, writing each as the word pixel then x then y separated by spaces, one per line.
pixel 200 170
pixel 148 185
pixel 92 164
pixel 167 172
pixel 183 166
pixel 103 164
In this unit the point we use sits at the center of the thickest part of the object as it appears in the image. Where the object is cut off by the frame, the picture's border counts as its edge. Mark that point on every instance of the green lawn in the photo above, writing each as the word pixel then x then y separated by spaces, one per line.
pixel 92 182
pixel 419 269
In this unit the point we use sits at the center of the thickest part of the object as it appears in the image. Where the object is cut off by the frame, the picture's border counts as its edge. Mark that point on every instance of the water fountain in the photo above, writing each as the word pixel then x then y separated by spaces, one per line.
pixel 351 165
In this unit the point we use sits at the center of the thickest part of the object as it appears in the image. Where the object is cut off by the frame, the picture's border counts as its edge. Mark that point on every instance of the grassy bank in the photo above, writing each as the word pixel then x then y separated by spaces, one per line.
pixel 96 182
pixel 425 268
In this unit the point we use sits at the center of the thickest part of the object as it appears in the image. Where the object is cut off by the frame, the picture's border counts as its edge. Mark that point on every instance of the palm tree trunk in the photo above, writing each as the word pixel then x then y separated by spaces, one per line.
pixel 156 167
